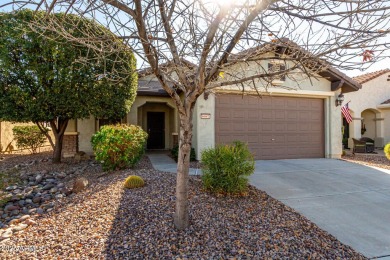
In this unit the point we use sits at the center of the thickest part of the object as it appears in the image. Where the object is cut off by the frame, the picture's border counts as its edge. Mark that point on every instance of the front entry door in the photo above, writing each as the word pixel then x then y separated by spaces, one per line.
pixel 156 127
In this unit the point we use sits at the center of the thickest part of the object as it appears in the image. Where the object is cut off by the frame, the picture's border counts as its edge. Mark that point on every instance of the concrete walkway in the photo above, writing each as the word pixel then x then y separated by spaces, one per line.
pixel 164 163
pixel 350 201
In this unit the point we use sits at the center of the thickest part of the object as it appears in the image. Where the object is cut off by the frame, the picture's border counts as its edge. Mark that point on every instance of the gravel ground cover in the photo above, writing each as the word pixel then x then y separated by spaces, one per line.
pixel 368 159
pixel 107 222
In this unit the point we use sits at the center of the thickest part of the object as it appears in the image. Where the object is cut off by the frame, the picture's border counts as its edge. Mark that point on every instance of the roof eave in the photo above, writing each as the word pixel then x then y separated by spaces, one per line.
pixel 384 106
pixel 340 80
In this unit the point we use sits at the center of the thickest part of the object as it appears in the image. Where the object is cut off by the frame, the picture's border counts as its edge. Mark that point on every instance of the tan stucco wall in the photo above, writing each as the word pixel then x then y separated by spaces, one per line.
pixel 86 128
pixel 372 94
pixel 295 80
pixel 370 123
pixel 72 126
pixel 386 125
pixel 7 137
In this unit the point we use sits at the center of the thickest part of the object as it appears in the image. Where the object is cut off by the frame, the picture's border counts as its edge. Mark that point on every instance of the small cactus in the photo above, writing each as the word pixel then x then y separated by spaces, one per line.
pixel 134 181
pixel 387 150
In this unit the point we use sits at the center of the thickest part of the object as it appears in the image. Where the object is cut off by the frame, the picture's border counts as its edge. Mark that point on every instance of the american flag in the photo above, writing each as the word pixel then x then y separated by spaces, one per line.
pixel 346 113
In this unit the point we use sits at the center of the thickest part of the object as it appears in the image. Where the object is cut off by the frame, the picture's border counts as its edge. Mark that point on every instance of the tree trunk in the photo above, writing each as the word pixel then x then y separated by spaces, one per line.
pixel 58 131
pixel 58 147
pixel 46 133
pixel 181 218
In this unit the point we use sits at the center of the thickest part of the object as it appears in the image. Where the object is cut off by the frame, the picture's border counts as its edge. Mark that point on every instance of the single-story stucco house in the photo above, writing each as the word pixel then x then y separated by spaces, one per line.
pixel 370 109
pixel 295 119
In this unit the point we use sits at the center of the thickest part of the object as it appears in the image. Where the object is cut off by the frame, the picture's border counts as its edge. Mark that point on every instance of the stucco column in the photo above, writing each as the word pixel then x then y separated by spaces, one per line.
pixel 380 131
pixel 333 135
pixel 204 124
pixel 355 129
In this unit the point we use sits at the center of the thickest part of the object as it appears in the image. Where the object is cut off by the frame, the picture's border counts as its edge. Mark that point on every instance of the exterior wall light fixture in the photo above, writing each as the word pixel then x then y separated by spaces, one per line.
pixel 339 99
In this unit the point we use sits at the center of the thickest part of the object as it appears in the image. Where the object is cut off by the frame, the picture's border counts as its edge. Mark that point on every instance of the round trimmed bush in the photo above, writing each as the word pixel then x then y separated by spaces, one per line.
pixel 119 146
pixel 387 150
pixel 134 181
pixel 29 137
pixel 226 168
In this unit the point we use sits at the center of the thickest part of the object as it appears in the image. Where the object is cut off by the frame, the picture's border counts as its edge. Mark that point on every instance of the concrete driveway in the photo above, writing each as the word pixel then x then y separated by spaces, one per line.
pixel 350 201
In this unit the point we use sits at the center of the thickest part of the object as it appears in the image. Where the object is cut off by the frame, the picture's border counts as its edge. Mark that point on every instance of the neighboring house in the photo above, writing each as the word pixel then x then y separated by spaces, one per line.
pixel 303 122
pixel 370 109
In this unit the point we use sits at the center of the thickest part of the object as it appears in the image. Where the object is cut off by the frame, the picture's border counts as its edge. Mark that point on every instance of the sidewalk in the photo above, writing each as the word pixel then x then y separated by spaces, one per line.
pixel 164 163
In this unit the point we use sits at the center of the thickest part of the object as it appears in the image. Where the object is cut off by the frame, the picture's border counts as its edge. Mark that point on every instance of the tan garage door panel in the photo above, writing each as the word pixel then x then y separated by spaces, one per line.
pixel 273 127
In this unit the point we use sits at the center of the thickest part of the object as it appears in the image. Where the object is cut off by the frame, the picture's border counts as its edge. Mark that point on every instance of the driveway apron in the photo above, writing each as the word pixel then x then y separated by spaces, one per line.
pixel 349 201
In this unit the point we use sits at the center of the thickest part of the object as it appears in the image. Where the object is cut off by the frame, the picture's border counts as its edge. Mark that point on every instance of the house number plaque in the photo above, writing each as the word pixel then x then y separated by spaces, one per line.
pixel 205 115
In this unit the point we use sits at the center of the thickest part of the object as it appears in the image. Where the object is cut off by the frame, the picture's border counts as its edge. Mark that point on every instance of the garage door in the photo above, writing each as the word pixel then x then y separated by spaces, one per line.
pixel 273 127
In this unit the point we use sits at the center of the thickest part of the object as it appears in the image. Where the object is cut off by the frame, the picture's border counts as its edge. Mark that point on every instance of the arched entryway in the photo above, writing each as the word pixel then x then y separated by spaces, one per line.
pixel 367 123
pixel 372 126
pixel 157 119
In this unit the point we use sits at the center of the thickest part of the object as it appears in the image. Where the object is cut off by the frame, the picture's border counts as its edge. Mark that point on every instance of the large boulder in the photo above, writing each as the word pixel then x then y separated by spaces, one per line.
pixel 80 184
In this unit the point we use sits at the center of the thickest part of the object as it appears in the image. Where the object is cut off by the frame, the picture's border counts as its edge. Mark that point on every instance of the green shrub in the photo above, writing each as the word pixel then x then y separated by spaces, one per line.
pixel 134 181
pixel 387 150
pixel 226 168
pixel 119 146
pixel 175 153
pixel 29 137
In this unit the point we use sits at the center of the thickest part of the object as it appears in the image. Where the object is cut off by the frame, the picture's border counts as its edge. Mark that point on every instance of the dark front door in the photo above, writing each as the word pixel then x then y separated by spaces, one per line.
pixel 156 125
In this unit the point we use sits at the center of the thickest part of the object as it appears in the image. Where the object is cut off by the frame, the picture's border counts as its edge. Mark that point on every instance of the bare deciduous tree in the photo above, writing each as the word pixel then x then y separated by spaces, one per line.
pixel 214 34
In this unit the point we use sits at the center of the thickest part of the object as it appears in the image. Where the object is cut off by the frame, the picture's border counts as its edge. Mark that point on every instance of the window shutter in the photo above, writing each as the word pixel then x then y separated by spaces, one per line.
pixel 282 68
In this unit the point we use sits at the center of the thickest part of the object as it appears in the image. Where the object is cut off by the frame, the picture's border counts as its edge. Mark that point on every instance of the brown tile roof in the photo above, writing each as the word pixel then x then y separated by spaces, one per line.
pixel 370 76
pixel 386 102
pixel 284 45
pixel 150 88
pixel 166 66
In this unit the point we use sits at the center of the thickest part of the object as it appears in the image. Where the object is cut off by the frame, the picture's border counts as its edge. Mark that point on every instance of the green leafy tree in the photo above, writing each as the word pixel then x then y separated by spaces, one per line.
pixel 45 77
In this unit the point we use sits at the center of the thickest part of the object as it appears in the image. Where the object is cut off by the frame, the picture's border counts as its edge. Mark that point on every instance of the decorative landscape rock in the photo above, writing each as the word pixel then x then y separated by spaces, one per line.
pixel 38 178
pixel 24 218
pixel 19 227
pixel 80 184
pixel 54 190
pixel 13 221
pixel 97 226
pixel 10 207
pixel 6 234
pixel 29 222
pixel 48 186
pixel 37 189
pixel 61 175
pixel 81 156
